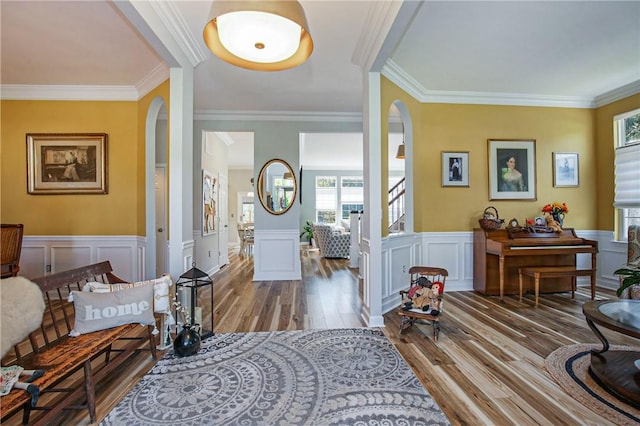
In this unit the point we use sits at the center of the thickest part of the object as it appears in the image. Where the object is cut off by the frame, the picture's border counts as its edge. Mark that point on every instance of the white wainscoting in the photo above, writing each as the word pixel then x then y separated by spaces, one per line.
pixel 454 252
pixel 43 255
pixel 276 255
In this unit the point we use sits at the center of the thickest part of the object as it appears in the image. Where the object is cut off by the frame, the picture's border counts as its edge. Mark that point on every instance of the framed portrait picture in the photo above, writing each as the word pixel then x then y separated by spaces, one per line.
pixel 512 169
pixel 565 169
pixel 209 199
pixel 66 163
pixel 455 168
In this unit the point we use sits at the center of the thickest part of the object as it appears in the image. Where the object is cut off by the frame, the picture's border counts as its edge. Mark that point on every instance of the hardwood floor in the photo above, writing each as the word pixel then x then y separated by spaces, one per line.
pixel 486 369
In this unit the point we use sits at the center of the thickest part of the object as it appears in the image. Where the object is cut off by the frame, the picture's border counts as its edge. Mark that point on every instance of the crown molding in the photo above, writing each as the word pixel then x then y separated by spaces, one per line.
pixel 378 23
pixel 403 80
pixel 85 92
pixel 617 94
pixel 68 93
pixel 345 117
pixel 400 78
pixel 175 24
pixel 157 76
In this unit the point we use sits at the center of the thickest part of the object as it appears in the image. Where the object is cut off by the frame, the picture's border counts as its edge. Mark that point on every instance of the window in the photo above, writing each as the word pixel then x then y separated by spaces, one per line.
pixel 627 171
pixel 326 199
pixel 351 195
pixel 247 211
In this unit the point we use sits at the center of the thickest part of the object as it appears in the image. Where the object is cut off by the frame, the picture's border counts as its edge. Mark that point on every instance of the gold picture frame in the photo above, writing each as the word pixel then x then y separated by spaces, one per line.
pixel 66 163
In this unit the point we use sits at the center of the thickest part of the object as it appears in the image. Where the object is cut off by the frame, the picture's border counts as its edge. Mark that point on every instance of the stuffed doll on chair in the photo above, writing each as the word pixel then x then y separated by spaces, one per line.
pixel 21 309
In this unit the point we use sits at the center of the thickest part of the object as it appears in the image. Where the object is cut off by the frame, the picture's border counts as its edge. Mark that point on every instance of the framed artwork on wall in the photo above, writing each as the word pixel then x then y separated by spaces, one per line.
pixel 209 199
pixel 455 168
pixel 512 169
pixel 566 170
pixel 66 163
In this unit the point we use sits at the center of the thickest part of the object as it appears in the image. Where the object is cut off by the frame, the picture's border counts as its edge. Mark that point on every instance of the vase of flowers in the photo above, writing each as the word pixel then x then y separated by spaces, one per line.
pixel 187 341
pixel 557 211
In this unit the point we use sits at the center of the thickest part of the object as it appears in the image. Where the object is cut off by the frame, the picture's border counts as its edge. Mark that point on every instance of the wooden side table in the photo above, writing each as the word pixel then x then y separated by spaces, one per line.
pixel 616 369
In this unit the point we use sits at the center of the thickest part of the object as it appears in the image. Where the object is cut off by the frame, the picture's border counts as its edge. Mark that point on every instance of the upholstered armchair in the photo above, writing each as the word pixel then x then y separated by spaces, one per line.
pixel 633 247
pixel 633 261
pixel 332 242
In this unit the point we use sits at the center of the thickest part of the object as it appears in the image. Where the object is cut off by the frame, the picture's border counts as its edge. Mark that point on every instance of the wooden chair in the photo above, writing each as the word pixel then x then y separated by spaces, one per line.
pixel 422 279
pixel 11 246
pixel 245 234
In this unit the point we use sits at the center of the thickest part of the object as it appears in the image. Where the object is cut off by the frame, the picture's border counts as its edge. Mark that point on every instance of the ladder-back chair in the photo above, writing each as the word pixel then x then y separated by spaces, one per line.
pixel 423 300
pixel 11 246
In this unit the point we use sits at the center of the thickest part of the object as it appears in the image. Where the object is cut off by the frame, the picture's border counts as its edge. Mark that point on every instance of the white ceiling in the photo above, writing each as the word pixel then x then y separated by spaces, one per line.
pixel 558 53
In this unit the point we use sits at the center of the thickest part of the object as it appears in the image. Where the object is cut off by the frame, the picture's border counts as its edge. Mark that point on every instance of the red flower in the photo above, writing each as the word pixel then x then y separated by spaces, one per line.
pixel 555 208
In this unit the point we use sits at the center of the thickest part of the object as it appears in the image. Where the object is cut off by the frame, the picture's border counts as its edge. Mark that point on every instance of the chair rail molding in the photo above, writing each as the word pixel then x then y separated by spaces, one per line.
pixel 454 252
pixel 47 254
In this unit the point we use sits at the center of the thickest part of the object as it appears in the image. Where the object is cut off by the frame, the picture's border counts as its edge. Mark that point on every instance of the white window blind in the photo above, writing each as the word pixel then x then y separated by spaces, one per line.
pixel 352 190
pixel 627 164
pixel 326 193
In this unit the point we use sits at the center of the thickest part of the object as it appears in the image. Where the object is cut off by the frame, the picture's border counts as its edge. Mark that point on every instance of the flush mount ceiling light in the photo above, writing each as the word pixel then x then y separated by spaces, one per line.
pixel 264 35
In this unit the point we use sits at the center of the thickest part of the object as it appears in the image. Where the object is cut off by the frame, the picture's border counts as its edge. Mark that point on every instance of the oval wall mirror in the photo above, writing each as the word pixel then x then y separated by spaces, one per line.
pixel 277 186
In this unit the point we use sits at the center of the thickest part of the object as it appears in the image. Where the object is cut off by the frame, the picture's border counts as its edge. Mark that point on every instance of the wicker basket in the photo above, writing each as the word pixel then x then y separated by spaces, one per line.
pixel 490 220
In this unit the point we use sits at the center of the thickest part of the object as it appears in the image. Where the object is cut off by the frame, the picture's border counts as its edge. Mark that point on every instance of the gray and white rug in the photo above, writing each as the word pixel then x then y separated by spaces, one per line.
pixel 311 377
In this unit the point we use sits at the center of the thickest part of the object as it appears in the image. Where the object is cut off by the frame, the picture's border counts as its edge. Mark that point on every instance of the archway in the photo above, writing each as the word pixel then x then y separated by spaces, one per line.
pixel 400 169
pixel 152 145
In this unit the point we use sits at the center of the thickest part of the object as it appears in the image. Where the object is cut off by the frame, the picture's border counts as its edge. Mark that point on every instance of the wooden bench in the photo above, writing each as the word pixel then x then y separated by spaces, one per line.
pixel 72 365
pixel 540 272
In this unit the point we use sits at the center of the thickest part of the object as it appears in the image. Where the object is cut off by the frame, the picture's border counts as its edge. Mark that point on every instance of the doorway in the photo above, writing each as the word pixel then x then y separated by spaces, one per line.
pixel 161 219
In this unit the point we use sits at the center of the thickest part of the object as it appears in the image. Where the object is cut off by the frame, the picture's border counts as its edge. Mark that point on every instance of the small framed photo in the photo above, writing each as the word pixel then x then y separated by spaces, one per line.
pixel 512 169
pixel 455 168
pixel 66 163
pixel 566 170
pixel 539 221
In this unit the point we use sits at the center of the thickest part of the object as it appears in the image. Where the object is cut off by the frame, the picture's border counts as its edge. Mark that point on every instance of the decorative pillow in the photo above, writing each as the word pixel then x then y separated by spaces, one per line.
pixel 99 311
pixel 161 302
pixel 346 225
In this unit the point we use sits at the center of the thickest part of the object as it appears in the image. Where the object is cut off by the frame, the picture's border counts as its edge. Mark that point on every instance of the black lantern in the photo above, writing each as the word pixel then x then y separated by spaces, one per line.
pixel 194 279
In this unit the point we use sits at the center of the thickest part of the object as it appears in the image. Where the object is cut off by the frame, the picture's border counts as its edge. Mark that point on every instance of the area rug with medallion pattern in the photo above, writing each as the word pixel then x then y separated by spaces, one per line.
pixel 310 377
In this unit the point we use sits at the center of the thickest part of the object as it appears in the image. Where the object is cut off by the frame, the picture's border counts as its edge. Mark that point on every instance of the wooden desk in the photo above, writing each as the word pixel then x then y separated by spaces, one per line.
pixel 497 258
pixel 616 369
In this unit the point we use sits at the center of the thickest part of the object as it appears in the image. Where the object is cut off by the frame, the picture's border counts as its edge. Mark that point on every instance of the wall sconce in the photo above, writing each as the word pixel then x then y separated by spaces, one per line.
pixel 266 35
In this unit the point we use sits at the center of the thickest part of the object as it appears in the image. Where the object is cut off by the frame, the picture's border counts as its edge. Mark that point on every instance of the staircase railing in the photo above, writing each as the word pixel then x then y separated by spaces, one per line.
pixel 397 207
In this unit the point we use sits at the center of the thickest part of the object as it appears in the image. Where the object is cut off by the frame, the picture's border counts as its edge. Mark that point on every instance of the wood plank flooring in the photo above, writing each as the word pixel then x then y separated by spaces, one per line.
pixel 486 369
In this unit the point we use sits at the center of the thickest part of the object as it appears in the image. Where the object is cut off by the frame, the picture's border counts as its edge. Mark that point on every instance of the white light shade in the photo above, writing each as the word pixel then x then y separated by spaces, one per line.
pixel 265 35
pixel 259 37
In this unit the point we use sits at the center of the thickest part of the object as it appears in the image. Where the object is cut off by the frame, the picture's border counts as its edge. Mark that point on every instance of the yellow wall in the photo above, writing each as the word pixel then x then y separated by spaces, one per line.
pixel 121 211
pixel 605 185
pixel 451 127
